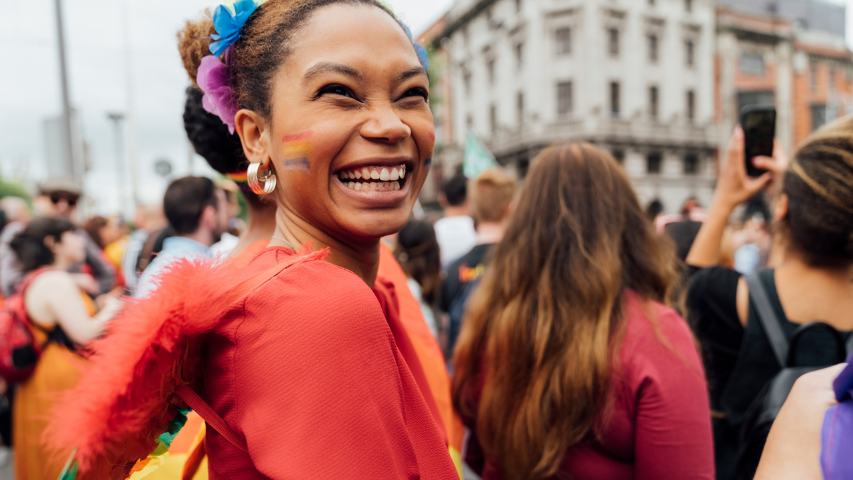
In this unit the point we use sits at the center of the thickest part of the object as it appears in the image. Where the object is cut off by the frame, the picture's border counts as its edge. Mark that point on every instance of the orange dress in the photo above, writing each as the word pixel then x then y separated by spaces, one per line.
pixel 58 370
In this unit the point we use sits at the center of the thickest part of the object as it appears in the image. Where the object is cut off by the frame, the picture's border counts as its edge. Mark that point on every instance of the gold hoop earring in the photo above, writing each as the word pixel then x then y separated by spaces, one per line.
pixel 263 184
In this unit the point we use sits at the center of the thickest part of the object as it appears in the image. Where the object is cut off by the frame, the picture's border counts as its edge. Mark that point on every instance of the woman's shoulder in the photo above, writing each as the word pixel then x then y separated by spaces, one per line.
pixel 49 281
pixel 655 333
pixel 308 284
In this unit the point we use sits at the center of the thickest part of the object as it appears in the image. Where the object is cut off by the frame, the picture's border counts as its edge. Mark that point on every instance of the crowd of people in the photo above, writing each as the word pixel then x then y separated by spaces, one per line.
pixel 539 327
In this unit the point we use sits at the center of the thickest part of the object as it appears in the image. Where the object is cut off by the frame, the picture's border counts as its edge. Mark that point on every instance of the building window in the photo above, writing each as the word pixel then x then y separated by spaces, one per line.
pixel 613 41
pixel 564 99
pixel 469 122
pixel 689 53
pixel 519 54
pixel 653 101
pixel 654 163
pixel 651 3
pixel 619 156
pixel 490 70
pixel 493 119
pixel 691 164
pixel 519 109
pixel 752 63
pixel 652 41
pixel 688 5
pixel 691 106
pixel 563 40
pixel 517 5
pixel 615 100
pixel 820 115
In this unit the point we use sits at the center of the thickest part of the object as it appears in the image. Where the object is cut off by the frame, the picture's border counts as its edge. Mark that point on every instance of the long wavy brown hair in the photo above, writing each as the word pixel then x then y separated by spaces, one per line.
pixel 536 352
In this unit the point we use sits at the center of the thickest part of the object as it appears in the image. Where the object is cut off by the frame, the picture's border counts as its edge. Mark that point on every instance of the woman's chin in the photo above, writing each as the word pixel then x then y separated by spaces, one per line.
pixel 374 225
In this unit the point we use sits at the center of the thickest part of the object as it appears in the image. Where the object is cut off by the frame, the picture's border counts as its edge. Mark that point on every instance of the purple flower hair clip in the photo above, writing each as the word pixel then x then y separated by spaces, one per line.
pixel 213 77
pixel 219 98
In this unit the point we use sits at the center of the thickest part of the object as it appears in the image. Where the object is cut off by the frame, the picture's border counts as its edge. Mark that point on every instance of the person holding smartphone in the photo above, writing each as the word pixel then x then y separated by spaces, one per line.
pixel 809 278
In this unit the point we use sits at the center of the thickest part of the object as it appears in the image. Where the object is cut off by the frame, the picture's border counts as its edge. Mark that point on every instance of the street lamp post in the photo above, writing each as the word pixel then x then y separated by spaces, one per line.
pixel 117 119
pixel 74 169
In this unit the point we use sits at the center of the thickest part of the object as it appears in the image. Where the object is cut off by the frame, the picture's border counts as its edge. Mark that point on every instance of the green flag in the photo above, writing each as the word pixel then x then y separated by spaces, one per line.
pixel 477 159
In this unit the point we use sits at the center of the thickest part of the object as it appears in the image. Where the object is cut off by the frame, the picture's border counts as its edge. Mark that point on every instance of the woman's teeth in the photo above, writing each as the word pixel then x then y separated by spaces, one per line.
pixel 374 179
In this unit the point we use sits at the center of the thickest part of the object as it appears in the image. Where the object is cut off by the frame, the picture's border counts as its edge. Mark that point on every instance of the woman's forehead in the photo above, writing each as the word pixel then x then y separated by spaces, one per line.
pixel 348 34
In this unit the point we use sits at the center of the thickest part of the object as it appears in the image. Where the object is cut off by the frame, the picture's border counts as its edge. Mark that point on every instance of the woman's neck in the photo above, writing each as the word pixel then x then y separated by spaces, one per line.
pixel 260 229
pixel 361 259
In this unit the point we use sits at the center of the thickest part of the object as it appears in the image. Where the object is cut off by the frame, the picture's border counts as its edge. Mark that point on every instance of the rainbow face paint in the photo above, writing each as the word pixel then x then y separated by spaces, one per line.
pixel 297 149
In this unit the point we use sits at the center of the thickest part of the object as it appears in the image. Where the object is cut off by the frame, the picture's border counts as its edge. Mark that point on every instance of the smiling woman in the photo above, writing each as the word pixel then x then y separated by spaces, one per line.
pixel 307 371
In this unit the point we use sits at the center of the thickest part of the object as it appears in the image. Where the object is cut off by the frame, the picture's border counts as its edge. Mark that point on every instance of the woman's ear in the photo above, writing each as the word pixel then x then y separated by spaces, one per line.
pixel 252 129
pixel 780 208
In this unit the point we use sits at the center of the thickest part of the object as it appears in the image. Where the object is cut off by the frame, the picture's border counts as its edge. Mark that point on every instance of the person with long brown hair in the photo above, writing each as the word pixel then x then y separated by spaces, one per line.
pixel 569 365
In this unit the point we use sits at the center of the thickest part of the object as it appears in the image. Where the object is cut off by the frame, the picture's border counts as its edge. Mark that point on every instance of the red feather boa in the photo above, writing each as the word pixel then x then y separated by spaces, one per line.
pixel 126 395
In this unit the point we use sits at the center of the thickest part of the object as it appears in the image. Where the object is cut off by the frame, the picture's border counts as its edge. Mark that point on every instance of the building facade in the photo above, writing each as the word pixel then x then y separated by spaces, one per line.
pixel 635 77
pixel 795 59
pixel 659 83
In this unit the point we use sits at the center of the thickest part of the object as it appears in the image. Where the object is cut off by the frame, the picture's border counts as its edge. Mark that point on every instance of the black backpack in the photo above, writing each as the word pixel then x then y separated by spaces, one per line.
pixel 792 357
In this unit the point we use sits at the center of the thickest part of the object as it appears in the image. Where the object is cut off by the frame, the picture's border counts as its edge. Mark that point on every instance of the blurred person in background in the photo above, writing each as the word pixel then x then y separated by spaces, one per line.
pixel 418 253
pixel 492 194
pixel 63 318
pixel 18 215
pixel 58 198
pixel 198 215
pixel 809 278
pixel 455 230
pixel 682 228
pixel 148 220
pixel 569 365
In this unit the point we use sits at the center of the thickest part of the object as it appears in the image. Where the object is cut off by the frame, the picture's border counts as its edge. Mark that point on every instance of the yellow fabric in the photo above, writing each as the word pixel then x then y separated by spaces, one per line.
pixel 58 370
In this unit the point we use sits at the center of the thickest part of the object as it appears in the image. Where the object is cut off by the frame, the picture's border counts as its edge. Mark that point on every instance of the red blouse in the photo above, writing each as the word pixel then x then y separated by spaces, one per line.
pixel 660 426
pixel 318 376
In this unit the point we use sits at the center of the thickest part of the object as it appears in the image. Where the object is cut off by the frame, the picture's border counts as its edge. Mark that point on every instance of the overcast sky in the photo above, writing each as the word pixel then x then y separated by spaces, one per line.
pixel 95 33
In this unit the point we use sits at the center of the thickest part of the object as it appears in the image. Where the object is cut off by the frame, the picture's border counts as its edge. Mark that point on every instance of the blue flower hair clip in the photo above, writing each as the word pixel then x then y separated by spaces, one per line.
pixel 423 56
pixel 228 24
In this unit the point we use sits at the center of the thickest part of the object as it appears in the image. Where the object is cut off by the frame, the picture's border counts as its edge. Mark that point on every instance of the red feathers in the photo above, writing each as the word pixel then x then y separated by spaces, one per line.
pixel 125 398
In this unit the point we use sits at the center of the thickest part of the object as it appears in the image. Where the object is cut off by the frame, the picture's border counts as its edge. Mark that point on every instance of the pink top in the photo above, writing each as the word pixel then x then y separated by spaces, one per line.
pixel 660 425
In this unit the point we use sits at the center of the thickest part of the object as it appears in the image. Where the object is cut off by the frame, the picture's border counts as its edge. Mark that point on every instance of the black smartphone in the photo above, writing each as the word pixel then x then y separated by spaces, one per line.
pixel 759 130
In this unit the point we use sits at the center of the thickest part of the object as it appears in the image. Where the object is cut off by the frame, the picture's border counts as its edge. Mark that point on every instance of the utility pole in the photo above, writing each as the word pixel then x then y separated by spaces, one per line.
pixel 68 138
pixel 130 110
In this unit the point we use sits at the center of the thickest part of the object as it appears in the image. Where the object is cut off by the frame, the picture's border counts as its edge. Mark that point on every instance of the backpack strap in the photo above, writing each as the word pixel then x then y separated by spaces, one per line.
pixel 849 344
pixel 768 318
pixel 206 412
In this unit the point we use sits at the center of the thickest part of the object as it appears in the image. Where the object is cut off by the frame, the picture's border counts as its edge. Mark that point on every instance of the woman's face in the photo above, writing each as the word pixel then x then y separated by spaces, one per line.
pixel 351 132
pixel 71 248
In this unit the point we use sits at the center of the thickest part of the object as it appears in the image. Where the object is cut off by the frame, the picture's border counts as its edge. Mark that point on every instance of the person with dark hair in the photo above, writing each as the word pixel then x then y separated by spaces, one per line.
pixel 492 194
pixel 569 364
pixel 418 253
pixel 296 358
pixel 94 227
pixel 808 280
pixel 58 197
pixel 63 318
pixel 223 151
pixel 455 231
pixel 197 214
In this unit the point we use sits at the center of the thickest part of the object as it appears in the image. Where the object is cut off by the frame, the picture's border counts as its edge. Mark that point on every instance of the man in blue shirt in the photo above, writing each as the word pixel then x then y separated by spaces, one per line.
pixel 198 213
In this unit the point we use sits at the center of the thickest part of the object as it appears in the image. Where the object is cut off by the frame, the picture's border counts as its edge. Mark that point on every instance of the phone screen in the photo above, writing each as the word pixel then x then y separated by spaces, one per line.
pixel 759 129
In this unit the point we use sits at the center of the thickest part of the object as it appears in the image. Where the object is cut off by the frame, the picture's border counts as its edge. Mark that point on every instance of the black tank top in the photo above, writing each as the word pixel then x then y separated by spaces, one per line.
pixel 756 364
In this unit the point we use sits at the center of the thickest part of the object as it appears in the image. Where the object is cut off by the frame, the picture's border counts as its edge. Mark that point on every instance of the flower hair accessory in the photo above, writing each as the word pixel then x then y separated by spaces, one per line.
pixel 228 24
pixel 213 78
pixel 219 98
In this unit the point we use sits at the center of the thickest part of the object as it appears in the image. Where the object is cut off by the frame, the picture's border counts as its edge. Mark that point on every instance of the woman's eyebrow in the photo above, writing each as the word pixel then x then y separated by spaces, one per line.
pixel 412 72
pixel 328 67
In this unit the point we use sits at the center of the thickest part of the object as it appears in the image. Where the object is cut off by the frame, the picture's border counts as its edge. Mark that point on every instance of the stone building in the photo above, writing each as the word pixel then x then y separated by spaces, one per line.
pixel 659 83
pixel 635 77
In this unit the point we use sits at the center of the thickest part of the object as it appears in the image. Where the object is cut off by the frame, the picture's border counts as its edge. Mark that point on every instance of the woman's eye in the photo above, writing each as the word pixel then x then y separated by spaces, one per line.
pixel 417 92
pixel 339 90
